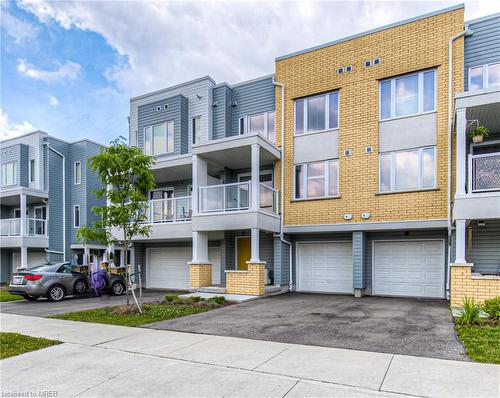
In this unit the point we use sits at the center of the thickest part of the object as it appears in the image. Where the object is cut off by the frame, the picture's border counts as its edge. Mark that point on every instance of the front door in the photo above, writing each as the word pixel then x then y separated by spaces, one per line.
pixel 243 252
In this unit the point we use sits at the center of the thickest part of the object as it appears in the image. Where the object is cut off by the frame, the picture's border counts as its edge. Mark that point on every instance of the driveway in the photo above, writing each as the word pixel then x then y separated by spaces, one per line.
pixel 418 327
pixel 42 307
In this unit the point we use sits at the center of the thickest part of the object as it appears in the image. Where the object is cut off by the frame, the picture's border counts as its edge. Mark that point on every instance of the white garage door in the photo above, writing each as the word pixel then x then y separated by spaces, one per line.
pixel 168 267
pixel 409 268
pixel 324 267
pixel 34 258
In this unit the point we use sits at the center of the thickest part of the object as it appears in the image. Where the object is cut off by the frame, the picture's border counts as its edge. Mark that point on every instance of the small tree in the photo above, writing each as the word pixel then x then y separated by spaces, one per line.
pixel 126 177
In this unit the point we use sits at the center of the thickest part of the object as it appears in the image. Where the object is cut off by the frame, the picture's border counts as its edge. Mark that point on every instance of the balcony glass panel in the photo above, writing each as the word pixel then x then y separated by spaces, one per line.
pixel 484 172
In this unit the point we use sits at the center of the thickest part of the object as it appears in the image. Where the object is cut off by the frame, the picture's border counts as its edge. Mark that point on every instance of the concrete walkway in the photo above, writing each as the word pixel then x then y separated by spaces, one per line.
pixel 104 360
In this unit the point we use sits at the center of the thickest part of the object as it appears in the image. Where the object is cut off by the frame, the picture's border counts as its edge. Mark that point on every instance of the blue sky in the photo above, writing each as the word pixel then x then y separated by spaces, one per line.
pixel 70 68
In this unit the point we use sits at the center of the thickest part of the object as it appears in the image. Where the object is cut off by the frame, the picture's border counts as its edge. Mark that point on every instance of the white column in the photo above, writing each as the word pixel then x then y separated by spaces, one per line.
pixel 24 257
pixel 200 178
pixel 200 247
pixel 461 151
pixel 460 242
pixel 254 256
pixel 24 229
pixel 255 184
pixel 86 255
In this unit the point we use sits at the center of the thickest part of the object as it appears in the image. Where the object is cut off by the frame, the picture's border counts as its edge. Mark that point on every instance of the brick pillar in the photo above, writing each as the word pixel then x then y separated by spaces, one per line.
pixel 249 282
pixel 475 286
pixel 200 274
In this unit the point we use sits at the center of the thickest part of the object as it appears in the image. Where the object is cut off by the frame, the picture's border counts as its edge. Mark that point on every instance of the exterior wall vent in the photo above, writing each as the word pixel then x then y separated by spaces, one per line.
pixel 347 152
pixel 367 63
pixel 234 103
pixel 348 68
pixel 376 61
pixel 340 71
pixel 158 108
pixel 165 106
pixel 348 216
pixel 369 149
pixel 215 104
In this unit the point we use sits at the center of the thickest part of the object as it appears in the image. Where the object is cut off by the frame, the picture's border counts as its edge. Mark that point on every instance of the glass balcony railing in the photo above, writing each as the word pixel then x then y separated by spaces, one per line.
pixel 34 227
pixel 169 210
pixel 484 172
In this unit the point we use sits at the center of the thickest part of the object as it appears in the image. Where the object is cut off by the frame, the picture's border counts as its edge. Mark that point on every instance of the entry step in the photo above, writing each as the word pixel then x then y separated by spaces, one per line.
pixel 212 289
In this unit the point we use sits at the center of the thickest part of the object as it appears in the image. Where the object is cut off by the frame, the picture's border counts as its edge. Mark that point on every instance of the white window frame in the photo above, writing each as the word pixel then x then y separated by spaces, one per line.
pixel 327 180
pixel 485 75
pixel 245 121
pixel 420 171
pixel 420 95
pixel 77 168
pixel 32 170
pixel 152 126
pixel 193 137
pixel 242 122
pixel 75 225
pixel 5 182
pixel 327 113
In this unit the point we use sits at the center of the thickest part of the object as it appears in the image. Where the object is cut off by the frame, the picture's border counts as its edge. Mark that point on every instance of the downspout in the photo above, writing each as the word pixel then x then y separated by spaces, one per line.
pixel 466 32
pixel 64 197
pixel 282 190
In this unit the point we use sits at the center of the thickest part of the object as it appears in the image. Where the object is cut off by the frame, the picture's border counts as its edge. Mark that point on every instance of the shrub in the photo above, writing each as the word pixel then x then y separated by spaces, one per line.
pixel 492 308
pixel 125 310
pixel 470 313
pixel 194 299
pixel 217 300
pixel 171 298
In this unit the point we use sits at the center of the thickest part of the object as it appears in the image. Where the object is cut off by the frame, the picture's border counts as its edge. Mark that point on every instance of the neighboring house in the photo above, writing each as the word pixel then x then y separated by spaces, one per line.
pixel 366 206
pixel 476 203
pixel 45 197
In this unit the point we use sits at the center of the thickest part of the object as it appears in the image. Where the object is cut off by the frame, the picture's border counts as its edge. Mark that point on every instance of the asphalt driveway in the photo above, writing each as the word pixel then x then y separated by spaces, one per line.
pixel 418 327
pixel 43 308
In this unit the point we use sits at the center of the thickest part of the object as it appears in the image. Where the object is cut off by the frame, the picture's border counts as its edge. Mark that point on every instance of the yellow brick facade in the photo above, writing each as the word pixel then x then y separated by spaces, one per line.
pixel 200 275
pixel 249 282
pixel 464 284
pixel 403 49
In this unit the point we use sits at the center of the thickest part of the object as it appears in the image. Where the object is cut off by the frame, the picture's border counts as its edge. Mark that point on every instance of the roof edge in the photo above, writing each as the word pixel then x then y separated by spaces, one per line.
pixel 199 79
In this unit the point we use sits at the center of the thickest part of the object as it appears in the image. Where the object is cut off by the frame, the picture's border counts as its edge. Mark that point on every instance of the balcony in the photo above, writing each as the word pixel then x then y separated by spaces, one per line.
pixel 10 227
pixel 229 206
pixel 35 234
pixel 484 172
pixel 169 210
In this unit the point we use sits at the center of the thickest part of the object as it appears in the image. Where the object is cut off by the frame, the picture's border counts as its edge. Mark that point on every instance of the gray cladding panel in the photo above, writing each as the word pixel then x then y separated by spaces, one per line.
pixel 485 247
pixel 316 147
pixel 483 46
pixel 408 132
pixel 358 259
pixel 222 97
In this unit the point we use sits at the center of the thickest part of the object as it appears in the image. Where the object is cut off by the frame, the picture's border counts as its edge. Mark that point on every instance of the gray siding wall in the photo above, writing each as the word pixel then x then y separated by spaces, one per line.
pixel 222 111
pixel 483 46
pixel 23 166
pixel 5 264
pixel 253 97
pixel 358 260
pixel 281 262
pixel 180 187
pixel 93 183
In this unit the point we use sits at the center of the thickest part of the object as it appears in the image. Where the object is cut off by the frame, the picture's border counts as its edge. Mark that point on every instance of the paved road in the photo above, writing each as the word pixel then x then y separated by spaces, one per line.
pixel 43 308
pixel 104 360
pixel 392 325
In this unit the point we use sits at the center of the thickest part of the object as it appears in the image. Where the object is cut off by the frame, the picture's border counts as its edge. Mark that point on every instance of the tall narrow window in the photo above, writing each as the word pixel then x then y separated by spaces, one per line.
pixel 9 174
pixel 270 127
pixel 77 173
pixel 476 78
pixel 148 142
pixel 76 216
pixel 256 124
pixel 196 128
pixel 242 125
pixel 32 170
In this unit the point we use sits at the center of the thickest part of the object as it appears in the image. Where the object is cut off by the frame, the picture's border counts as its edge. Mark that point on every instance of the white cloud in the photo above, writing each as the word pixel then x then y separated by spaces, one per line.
pixel 68 71
pixel 11 129
pixel 53 101
pixel 18 29
pixel 164 43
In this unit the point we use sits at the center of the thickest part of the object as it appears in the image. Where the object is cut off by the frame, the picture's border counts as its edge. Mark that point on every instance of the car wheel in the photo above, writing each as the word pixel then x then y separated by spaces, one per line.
pixel 117 288
pixel 80 287
pixel 55 293
pixel 30 298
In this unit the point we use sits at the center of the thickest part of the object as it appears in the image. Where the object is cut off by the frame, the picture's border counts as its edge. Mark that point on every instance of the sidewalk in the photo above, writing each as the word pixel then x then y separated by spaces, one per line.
pixel 104 360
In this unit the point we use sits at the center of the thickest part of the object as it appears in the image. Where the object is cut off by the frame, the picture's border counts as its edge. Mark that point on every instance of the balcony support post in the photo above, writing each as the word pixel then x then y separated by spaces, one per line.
pixel 24 257
pixel 23 230
pixel 254 255
pixel 200 247
pixel 255 183
pixel 461 151
pixel 200 178
pixel 460 242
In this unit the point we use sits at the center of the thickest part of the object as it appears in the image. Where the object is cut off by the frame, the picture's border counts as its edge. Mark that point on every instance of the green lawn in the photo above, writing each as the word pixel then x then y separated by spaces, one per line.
pixel 152 313
pixel 6 296
pixel 481 342
pixel 14 344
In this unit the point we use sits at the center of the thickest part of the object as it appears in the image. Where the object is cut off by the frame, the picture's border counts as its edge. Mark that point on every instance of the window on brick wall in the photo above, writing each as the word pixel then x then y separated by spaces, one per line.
pixel 316 180
pixel 317 113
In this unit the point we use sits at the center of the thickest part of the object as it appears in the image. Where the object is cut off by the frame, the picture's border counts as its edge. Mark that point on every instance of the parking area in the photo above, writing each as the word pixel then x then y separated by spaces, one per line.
pixel 43 308
pixel 420 327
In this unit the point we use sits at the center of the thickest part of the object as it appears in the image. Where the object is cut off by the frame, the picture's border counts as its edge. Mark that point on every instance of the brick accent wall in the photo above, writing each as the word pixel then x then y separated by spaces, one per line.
pixel 403 49
pixel 465 284
pixel 200 275
pixel 247 282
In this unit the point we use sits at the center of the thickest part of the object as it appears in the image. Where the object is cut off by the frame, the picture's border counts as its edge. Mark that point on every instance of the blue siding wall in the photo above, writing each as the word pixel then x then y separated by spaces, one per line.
pixel 252 98
pixel 358 259
pixel 23 167
pixel 281 261
pixel 483 46
pixel 5 264
pixel 222 111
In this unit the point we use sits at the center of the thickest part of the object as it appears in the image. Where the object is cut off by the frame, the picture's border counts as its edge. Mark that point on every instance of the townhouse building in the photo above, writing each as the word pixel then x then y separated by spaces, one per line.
pixel 337 174
pixel 45 196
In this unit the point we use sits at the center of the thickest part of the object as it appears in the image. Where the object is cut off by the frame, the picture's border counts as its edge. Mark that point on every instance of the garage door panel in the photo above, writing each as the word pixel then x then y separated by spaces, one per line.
pixel 325 267
pixel 409 268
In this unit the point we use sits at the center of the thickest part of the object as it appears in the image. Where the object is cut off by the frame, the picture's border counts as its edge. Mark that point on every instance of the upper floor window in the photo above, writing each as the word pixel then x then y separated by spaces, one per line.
pixel 32 170
pixel 408 95
pixel 317 179
pixel 77 173
pixel 317 113
pixel 159 139
pixel 262 123
pixel 407 170
pixel 9 174
pixel 484 76
pixel 196 129
pixel 76 216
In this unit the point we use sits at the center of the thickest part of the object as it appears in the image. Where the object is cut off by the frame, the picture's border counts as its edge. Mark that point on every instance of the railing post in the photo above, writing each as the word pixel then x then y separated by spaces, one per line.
pixel 23 228
pixel 461 151
pixel 470 187
pixel 255 179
